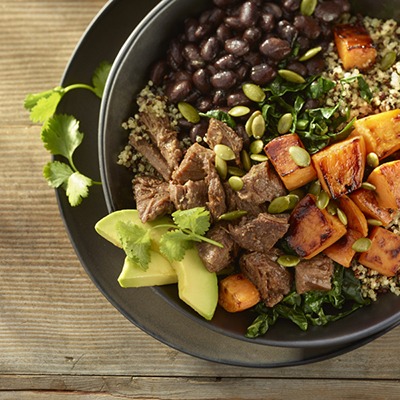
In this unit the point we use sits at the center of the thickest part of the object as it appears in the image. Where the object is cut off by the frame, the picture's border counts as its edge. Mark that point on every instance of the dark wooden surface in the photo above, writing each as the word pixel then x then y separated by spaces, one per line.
pixel 59 337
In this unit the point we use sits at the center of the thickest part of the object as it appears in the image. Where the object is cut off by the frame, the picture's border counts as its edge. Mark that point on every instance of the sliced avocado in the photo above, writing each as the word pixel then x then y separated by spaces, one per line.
pixel 197 286
pixel 159 272
pixel 106 227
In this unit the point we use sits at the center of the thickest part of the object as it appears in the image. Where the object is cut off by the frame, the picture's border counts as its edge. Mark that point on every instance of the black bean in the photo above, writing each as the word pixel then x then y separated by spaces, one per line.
pixel 273 9
pixel 224 3
pixel 297 67
pixel 183 123
pixel 304 43
pixel 227 61
pixel 174 55
pixel 201 80
pixel 224 80
pixel 276 48
pixel 241 131
pixel 158 72
pixel 210 48
pixel 328 11
pixel 308 26
pixel 191 26
pixel 253 58
pixel 198 130
pixel 287 31
pixel 344 5
pixel 234 23
pixel 252 35
pixel 181 76
pixel 212 17
pixel 262 74
pixel 178 91
pixel 204 104
pixel 291 5
pixel 202 31
pixel 192 54
pixel 248 14
pixel 219 98
pixel 267 22
pixel 237 98
pixel 236 46
pixel 242 71
pixel 224 33
pixel 315 65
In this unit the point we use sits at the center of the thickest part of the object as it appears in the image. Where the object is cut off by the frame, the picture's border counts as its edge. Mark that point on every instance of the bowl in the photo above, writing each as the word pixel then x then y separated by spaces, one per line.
pixel 129 74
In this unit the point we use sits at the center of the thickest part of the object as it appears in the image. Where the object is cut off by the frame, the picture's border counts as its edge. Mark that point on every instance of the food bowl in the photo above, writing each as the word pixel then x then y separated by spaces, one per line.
pixel 129 74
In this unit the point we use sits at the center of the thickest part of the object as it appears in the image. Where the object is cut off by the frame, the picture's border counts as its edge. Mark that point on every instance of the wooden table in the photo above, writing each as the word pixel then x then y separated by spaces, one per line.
pixel 59 337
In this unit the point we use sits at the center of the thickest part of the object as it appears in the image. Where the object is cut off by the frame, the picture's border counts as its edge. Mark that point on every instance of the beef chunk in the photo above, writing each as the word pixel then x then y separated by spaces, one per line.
pixel 314 274
pixel 216 258
pixel 152 198
pixel 271 279
pixel 260 233
pixel 191 194
pixel 261 184
pixel 220 133
pixel 216 203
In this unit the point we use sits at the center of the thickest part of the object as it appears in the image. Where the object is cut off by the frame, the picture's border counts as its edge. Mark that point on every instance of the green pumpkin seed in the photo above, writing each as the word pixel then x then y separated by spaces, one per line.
pixel 302 124
pixel 293 200
pixel 235 171
pixel 221 166
pixel 300 193
pixel 224 152
pixel 239 111
pixel 288 260
pixel 322 200
pixel 257 146
pixel 388 60
pixel 307 7
pixel 315 188
pixel 310 53
pixel 374 222
pixel 236 183
pixel 342 216
pixel 291 76
pixel 232 215
pixel 372 160
pixel 249 123
pixel 368 186
pixel 285 123
pixel 258 126
pixel 246 161
pixel 259 157
pixel 253 92
pixel 300 156
pixel 188 112
pixel 361 245
pixel 332 208
pixel 279 205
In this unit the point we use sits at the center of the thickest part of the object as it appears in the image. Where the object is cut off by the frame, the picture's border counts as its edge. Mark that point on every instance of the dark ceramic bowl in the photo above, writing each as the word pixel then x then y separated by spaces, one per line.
pixel 129 74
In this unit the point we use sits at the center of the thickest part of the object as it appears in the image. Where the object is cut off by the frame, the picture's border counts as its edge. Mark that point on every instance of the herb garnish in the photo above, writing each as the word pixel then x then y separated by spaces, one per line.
pixel 61 136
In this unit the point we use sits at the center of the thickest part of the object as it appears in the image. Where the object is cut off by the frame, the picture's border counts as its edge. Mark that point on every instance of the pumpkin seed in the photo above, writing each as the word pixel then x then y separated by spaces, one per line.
pixel 300 156
pixel 257 146
pixel 249 123
pixel 310 53
pixel 315 188
pixel 388 60
pixel 285 123
pixel 298 192
pixel 322 200
pixel 188 112
pixel 246 161
pixel 368 186
pixel 293 200
pixel 291 76
pixel 258 157
pixel 361 245
pixel 279 205
pixel 332 208
pixel 235 171
pixel 258 126
pixel 288 260
pixel 302 124
pixel 236 183
pixel 374 222
pixel 342 216
pixel 232 215
pixel 221 166
pixel 372 159
pixel 224 152
pixel 239 111
pixel 307 7
pixel 253 92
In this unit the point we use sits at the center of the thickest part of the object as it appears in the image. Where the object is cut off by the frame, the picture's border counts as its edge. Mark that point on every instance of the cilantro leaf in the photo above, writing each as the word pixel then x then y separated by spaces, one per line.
pixel 57 173
pixel 365 91
pixel 196 220
pixel 32 99
pixel 100 78
pixel 77 188
pixel 61 135
pixel 220 115
pixel 44 107
pixel 174 244
pixel 136 242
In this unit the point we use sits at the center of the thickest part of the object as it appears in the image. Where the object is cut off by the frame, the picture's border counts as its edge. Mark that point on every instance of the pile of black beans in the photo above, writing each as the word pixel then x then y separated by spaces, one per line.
pixel 239 41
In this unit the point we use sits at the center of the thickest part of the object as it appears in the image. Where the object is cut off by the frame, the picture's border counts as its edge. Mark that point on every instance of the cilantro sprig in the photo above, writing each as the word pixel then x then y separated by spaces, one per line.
pixel 61 135
pixel 189 226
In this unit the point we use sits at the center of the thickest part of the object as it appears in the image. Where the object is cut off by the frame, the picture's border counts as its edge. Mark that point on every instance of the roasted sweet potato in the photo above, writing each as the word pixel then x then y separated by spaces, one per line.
pixel 340 166
pixel 237 293
pixel 312 230
pixel 381 132
pixel 291 174
pixel 386 179
pixel 384 253
pixel 355 218
pixel 367 202
pixel 355 46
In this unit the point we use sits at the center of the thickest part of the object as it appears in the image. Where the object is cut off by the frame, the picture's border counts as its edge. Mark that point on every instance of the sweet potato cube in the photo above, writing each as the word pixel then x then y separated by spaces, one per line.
pixel 381 132
pixel 340 166
pixel 355 46
pixel 291 174
pixel 355 218
pixel 237 293
pixel 384 254
pixel 367 202
pixel 341 251
pixel 386 179
pixel 312 230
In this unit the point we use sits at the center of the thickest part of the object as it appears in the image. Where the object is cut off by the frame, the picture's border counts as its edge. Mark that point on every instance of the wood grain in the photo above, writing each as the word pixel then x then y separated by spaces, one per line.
pixel 59 337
